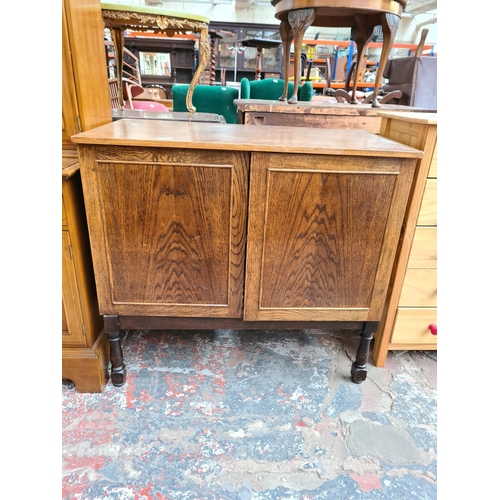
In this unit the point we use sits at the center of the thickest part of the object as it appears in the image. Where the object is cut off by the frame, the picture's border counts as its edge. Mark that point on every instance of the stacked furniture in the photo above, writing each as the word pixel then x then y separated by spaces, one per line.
pixel 410 315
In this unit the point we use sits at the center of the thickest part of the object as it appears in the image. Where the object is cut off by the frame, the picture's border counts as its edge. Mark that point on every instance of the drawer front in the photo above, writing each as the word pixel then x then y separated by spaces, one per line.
pixel 412 326
pixel 419 288
pixel 428 209
pixel 433 167
pixel 423 253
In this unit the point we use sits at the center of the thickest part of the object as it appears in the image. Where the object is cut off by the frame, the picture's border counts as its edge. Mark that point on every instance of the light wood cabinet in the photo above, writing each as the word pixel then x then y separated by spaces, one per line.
pixel 85 350
pixel 410 313
pixel 196 226
pixel 85 105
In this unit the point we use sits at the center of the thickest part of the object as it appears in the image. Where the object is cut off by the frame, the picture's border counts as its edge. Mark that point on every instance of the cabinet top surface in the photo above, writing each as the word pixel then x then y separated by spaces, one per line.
pixel 425 118
pixel 321 108
pixel 265 138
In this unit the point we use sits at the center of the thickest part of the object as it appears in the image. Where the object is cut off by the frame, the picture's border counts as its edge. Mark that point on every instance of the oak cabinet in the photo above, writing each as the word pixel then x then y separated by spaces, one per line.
pixel 196 226
pixel 409 320
pixel 85 350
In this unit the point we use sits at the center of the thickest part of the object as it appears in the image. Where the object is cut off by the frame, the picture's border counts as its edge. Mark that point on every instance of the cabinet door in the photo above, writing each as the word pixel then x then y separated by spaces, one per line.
pixel 72 319
pixel 168 230
pixel 322 235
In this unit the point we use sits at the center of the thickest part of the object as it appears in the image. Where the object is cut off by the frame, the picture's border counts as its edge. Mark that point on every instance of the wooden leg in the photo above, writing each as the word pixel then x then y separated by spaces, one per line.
pixel 363 33
pixel 359 368
pixel 299 20
pixel 390 24
pixel 112 329
pixel 286 38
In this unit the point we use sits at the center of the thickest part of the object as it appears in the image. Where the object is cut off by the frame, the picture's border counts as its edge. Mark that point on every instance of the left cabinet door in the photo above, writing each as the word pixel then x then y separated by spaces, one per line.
pixel 167 229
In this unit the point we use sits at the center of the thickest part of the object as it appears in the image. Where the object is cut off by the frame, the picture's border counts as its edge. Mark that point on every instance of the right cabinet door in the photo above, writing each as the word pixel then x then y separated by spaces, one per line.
pixel 322 235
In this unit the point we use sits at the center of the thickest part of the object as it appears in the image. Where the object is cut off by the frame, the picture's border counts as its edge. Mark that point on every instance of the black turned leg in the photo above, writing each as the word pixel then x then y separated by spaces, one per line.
pixel 112 328
pixel 359 368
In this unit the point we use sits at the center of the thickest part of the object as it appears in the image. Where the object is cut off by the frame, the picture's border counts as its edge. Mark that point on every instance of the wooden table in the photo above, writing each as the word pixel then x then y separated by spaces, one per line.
pixel 314 114
pixel 200 227
pixel 118 18
pixel 259 44
pixel 361 15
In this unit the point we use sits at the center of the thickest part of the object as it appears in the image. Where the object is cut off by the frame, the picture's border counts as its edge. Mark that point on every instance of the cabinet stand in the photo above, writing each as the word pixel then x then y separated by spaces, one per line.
pixel 113 324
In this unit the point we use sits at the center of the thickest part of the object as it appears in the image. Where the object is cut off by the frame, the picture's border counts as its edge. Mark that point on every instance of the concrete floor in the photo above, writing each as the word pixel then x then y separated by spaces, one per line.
pixel 253 415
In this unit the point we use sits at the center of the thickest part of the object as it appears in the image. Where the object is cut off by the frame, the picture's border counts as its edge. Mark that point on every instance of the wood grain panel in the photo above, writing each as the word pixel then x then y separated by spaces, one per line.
pixel 172 231
pixel 412 326
pixel 424 249
pixel 319 247
pixel 428 210
pixel 323 249
pixel 419 288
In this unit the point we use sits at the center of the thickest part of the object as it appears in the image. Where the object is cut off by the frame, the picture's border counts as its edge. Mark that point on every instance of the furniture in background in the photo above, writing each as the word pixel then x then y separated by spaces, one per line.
pixel 177 55
pixel 361 15
pixel 85 347
pixel 207 99
pixel 409 318
pixel 416 78
pixel 202 240
pixel 117 18
pixel 85 105
pixel 259 44
pixel 316 114
pixel 272 89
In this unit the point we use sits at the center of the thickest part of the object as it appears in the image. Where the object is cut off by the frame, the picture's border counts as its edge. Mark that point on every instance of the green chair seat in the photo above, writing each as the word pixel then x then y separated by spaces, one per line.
pixel 207 99
pixel 272 89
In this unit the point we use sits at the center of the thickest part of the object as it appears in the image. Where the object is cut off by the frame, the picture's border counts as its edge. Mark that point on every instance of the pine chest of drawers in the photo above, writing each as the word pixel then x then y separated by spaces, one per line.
pixel 410 314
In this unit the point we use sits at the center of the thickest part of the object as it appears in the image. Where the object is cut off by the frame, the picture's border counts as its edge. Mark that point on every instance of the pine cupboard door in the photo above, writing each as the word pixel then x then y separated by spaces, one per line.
pixel 322 235
pixel 167 229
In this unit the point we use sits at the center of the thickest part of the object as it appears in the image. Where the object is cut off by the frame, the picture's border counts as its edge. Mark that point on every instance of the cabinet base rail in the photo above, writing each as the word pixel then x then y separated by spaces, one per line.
pixel 114 323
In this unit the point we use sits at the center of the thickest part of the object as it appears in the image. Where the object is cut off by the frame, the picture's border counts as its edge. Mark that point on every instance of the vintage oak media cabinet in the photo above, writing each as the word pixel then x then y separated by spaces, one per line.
pixel 197 226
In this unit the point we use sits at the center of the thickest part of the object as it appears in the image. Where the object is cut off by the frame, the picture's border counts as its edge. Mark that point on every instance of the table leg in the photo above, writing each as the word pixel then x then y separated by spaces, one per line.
pixel 390 24
pixel 202 64
pixel 258 66
pixel 299 20
pixel 359 368
pixel 363 33
pixel 112 329
pixel 286 39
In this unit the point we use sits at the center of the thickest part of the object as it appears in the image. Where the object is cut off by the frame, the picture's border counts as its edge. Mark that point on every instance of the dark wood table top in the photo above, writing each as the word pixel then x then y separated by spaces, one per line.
pixel 320 108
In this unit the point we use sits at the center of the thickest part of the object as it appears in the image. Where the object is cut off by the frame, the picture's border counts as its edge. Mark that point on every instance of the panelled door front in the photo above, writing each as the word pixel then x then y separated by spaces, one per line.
pixel 168 230
pixel 322 235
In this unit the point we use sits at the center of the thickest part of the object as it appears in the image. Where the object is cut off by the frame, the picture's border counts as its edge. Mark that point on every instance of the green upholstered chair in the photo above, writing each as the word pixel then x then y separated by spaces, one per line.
pixel 207 99
pixel 272 89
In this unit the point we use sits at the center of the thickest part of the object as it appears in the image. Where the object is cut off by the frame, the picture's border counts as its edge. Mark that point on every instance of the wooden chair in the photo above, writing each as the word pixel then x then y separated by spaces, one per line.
pixel 113 94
